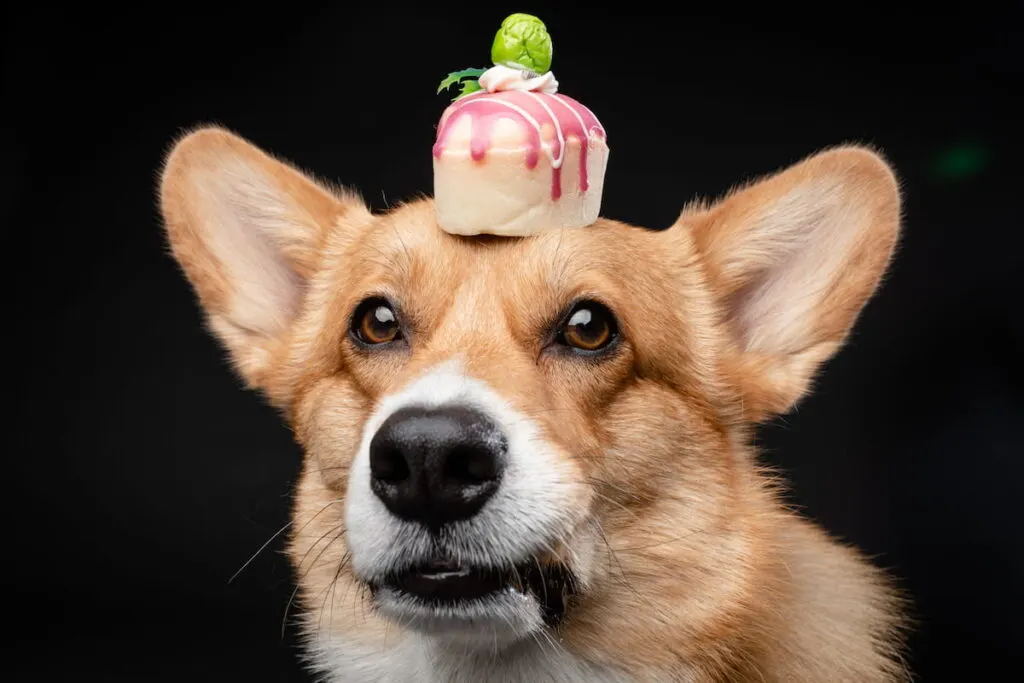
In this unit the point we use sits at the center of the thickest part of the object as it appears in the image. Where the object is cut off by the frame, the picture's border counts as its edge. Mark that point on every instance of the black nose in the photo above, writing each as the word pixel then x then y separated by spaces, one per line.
pixel 436 465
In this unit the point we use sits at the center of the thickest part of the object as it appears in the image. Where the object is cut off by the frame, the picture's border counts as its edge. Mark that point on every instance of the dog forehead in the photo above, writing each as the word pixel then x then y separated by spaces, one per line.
pixel 408 241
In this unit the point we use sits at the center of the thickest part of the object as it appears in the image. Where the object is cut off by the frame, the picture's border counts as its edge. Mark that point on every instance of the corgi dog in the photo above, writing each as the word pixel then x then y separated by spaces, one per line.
pixel 531 459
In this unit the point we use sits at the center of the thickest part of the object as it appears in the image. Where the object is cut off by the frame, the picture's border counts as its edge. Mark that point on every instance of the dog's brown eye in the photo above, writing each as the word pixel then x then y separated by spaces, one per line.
pixel 375 322
pixel 589 327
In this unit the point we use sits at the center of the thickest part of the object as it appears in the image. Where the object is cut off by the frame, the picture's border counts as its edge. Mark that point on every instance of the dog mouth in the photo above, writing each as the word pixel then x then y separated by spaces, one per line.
pixel 447 584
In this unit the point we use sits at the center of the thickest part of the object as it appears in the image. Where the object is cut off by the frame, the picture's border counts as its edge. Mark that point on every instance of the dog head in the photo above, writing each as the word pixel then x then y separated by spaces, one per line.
pixel 506 438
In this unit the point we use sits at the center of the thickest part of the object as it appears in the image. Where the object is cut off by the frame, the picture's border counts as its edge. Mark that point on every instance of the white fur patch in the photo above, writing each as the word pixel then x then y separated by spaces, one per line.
pixel 418 659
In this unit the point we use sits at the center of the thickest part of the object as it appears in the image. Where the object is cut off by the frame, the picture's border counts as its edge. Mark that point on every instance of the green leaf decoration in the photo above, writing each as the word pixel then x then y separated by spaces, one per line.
pixel 468 88
pixel 466 79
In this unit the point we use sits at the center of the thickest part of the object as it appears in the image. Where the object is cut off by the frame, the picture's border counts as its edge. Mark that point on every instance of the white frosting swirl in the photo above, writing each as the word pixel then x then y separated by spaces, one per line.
pixel 501 77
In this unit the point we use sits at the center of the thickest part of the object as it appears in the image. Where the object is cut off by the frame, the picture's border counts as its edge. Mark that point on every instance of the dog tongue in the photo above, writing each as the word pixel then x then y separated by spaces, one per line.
pixel 512 156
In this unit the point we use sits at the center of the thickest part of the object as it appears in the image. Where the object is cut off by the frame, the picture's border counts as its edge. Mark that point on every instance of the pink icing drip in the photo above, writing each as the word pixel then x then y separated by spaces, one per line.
pixel 531 110
pixel 481 135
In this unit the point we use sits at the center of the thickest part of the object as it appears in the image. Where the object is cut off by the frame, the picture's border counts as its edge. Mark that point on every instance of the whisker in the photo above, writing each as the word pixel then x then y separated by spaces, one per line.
pixel 389 262
pixel 284 619
pixel 278 533
pixel 299 580
pixel 337 528
pixel 542 581
pixel 607 484
pixel 261 549
pixel 331 592
pixel 613 555
pixel 405 247
pixel 666 541
pixel 611 500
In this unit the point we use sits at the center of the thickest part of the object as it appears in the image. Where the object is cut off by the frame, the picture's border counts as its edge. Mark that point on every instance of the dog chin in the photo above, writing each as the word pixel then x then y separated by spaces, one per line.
pixel 495 620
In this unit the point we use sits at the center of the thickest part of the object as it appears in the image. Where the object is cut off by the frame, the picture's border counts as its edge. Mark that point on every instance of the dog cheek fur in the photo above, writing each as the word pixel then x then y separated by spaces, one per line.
pixel 328 421
pixel 697 543
pixel 668 503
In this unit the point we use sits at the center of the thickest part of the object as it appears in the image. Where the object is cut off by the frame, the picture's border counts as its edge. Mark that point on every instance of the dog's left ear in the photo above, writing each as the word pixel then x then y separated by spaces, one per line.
pixel 793 258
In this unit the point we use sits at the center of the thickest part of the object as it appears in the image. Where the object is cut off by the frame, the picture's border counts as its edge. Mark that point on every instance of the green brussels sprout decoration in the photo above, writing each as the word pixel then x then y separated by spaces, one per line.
pixel 522 42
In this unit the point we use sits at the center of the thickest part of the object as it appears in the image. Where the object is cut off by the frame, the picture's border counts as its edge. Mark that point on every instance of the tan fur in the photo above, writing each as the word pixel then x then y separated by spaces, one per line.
pixel 726 317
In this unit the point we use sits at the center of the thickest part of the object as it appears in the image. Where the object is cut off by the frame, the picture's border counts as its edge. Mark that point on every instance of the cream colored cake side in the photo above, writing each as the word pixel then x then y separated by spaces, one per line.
pixel 500 195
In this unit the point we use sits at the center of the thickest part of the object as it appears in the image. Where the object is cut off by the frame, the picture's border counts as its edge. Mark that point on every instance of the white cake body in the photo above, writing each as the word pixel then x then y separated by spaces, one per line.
pixel 518 162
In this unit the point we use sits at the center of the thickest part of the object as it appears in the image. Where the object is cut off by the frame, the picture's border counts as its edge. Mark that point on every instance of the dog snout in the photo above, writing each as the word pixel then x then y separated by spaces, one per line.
pixel 437 465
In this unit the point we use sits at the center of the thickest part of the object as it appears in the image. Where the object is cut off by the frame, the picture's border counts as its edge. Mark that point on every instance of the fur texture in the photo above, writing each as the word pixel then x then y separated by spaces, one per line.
pixel 643 478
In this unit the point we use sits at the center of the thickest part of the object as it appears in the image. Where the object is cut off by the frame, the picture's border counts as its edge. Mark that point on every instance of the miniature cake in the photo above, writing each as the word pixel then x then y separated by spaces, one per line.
pixel 513 156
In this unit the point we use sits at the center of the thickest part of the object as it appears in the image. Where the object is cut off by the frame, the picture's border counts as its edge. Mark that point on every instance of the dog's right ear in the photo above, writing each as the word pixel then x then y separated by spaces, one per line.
pixel 247 229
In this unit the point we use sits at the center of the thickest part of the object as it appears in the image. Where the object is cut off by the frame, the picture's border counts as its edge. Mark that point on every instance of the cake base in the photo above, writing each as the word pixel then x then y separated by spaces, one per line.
pixel 501 196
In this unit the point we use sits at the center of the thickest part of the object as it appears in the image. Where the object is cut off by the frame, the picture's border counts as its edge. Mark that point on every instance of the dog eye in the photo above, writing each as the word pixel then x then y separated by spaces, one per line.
pixel 589 327
pixel 375 322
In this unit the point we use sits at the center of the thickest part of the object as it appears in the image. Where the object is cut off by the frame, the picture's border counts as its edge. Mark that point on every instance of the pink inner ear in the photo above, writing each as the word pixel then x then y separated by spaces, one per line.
pixel 739 302
pixel 248 222
pixel 794 255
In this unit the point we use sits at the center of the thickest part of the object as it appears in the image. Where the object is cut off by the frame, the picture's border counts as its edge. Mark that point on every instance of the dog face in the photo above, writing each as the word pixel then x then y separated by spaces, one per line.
pixel 489 385
pixel 509 439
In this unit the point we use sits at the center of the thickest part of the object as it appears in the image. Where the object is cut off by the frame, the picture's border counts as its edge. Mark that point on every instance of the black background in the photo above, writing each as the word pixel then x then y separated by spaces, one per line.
pixel 139 475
